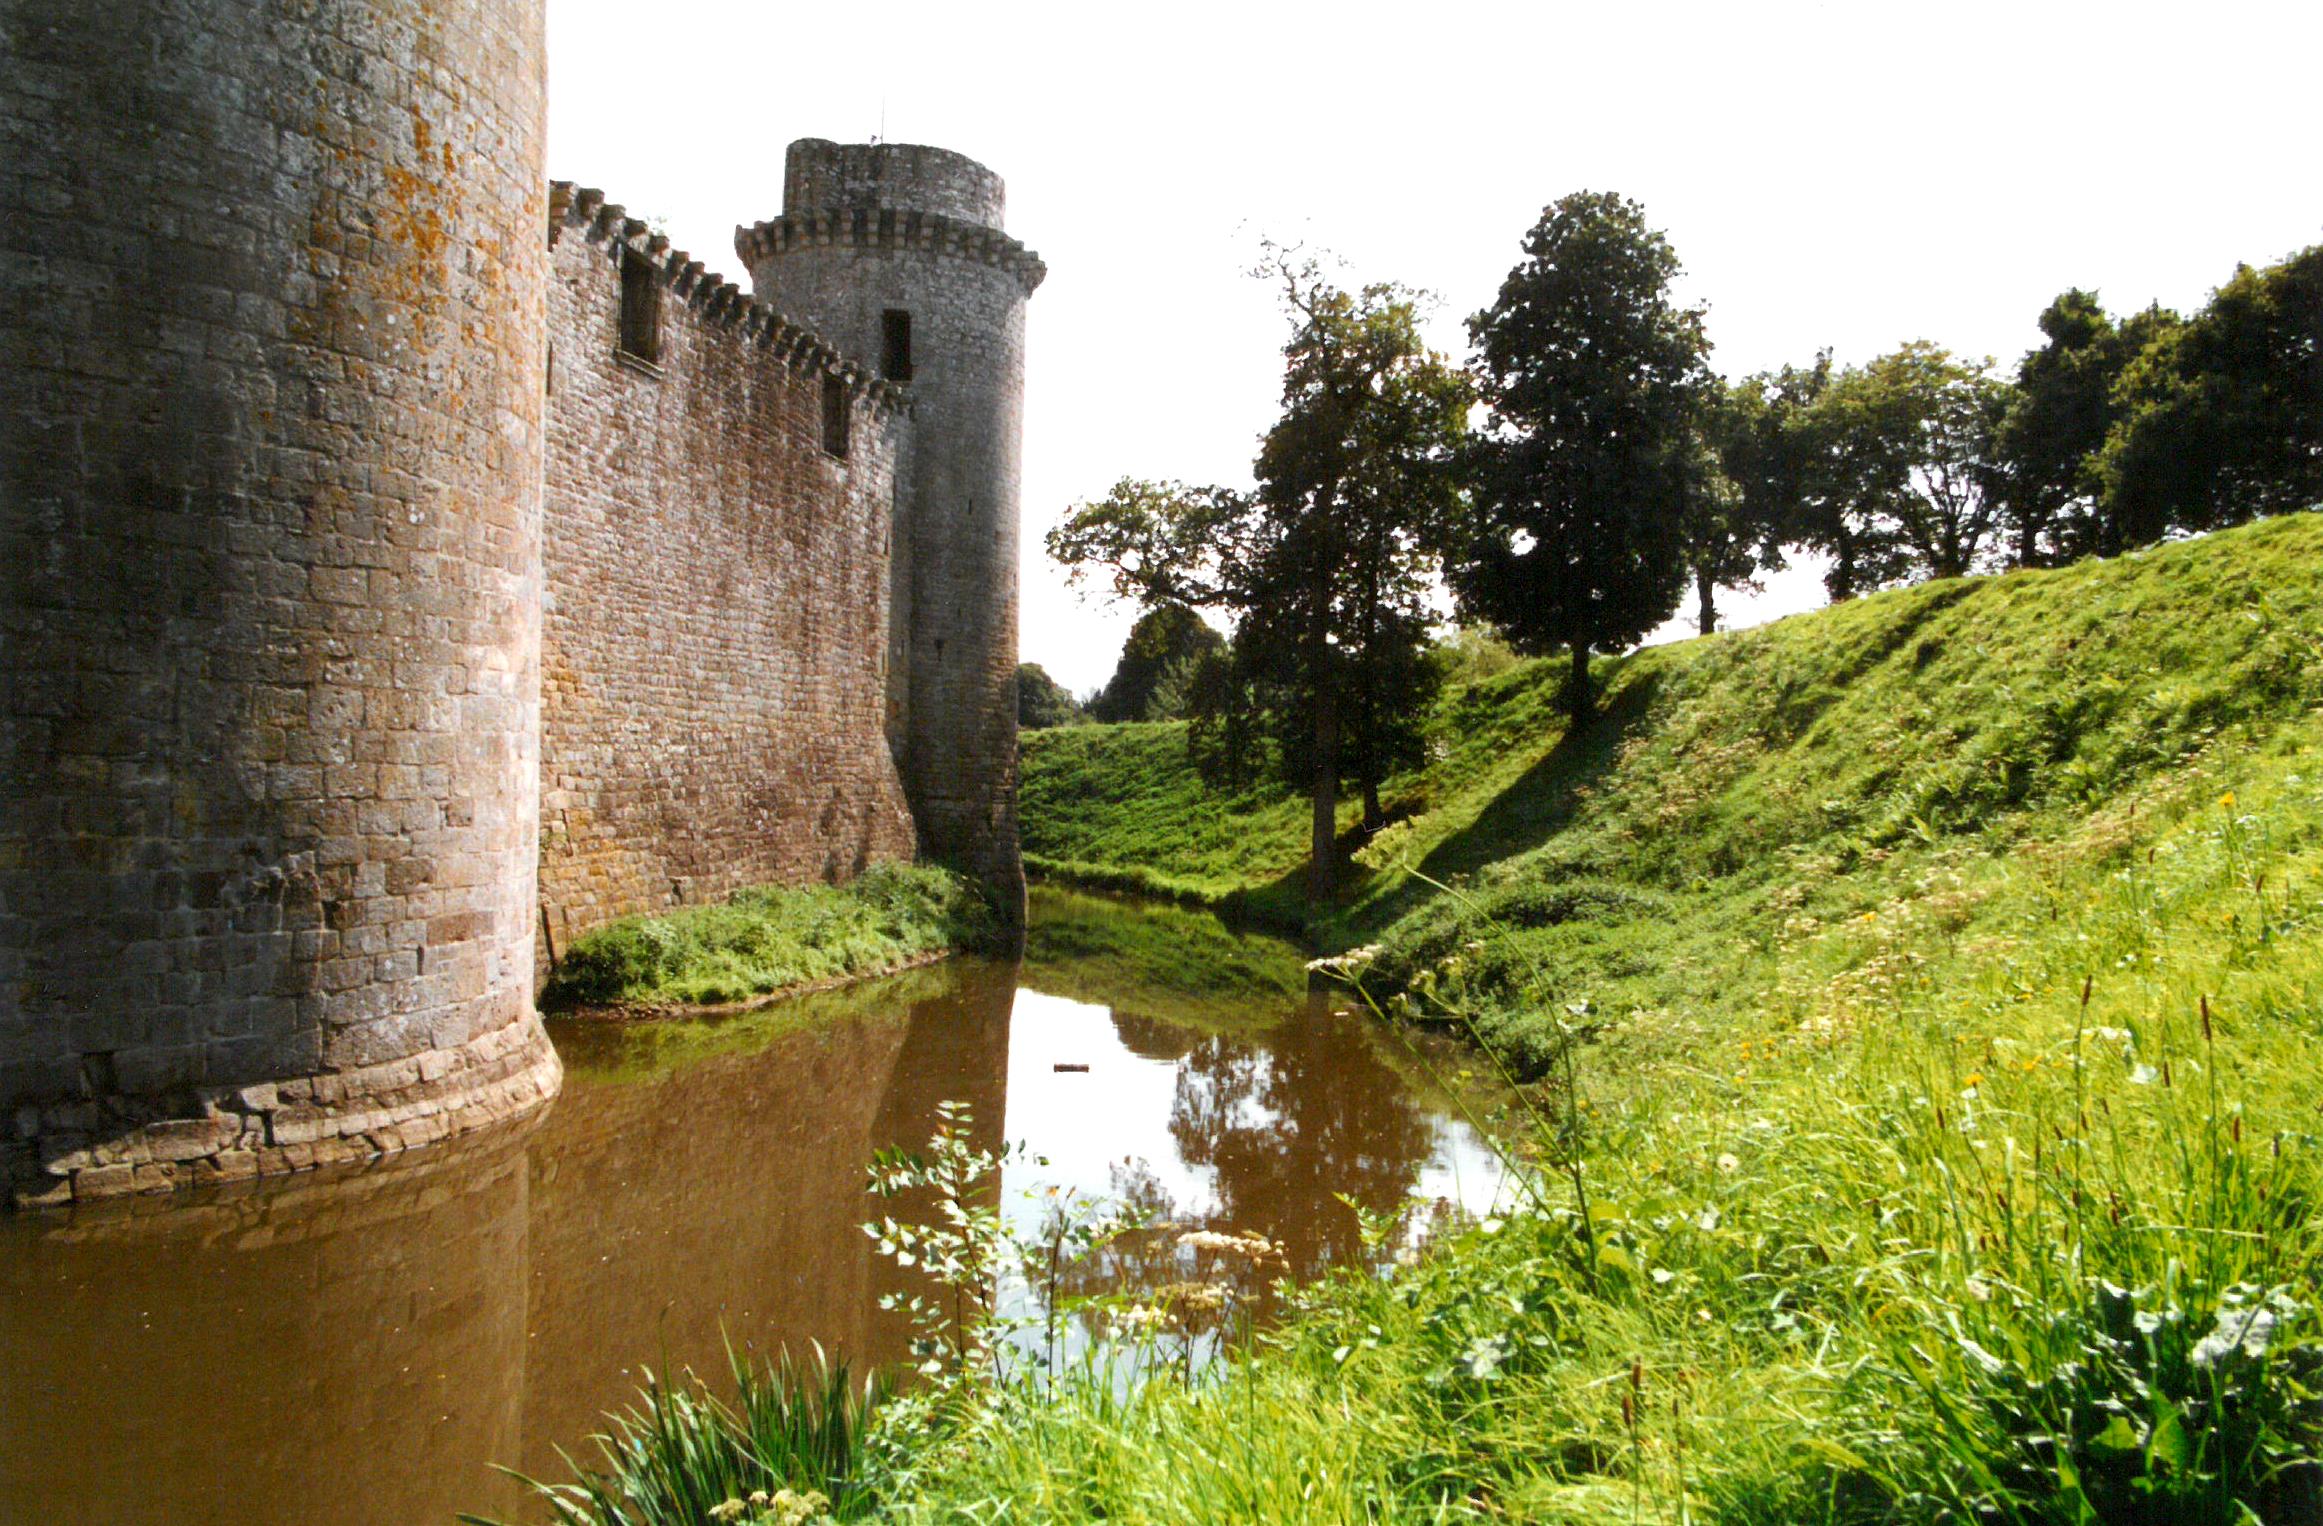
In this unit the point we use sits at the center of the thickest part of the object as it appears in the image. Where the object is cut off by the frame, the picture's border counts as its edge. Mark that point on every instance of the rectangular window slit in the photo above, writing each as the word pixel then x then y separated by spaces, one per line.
pixel 895 345
pixel 835 416
pixel 640 308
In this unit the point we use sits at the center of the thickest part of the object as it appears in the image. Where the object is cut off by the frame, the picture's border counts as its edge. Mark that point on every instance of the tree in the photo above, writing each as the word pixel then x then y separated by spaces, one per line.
pixel 2221 420
pixel 1326 567
pixel 2057 421
pixel 1165 635
pixel 1042 701
pixel 1732 534
pixel 1902 474
pixel 1593 373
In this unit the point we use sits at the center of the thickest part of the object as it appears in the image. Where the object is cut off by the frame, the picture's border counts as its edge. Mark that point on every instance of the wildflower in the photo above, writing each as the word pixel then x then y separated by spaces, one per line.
pixel 1196 1297
pixel 1975 1079
pixel 1255 1247
pixel 1353 962
pixel 1137 1318
pixel 729 1510
pixel 1728 1165
pixel 2227 799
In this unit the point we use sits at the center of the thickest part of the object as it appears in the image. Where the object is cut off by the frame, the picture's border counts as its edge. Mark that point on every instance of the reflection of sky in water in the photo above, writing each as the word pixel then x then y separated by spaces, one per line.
pixel 1131 1108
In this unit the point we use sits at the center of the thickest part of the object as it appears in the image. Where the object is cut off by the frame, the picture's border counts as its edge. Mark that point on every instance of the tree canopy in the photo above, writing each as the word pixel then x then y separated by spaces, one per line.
pixel 1042 701
pixel 1594 375
pixel 1325 569
pixel 1165 636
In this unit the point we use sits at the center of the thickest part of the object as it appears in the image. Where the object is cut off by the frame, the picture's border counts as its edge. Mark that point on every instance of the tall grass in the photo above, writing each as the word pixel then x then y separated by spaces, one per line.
pixel 681 1455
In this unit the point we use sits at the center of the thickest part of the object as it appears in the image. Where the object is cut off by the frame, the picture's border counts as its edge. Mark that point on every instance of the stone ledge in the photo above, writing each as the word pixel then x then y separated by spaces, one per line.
pixel 80 1151
pixel 894 229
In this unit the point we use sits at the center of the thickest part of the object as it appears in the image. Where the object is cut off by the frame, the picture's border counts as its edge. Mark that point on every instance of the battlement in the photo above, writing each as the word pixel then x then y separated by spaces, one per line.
pixel 710 297
pixel 820 175
pixel 887 228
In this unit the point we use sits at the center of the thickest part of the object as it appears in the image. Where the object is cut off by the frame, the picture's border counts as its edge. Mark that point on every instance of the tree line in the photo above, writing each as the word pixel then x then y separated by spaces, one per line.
pixel 1586 472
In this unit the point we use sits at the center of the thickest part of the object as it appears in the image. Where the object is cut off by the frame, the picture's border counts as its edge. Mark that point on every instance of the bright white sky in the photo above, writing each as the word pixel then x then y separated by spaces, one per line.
pixel 1842 175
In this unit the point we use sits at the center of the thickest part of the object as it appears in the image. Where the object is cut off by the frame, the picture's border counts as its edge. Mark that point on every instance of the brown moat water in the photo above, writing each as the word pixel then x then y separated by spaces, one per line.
pixel 366 1348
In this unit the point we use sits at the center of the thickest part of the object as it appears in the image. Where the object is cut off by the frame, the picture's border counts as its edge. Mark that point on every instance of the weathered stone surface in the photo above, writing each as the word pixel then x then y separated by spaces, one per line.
pixel 271 344
pixel 715 643
pixel 278 343
pixel 869 229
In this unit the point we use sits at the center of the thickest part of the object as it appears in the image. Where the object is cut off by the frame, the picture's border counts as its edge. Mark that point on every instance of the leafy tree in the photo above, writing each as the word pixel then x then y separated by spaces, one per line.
pixel 1593 373
pixel 1732 533
pixel 1164 635
pixel 2221 419
pixel 1473 651
pixel 1326 567
pixel 1042 701
pixel 2058 419
pixel 1902 476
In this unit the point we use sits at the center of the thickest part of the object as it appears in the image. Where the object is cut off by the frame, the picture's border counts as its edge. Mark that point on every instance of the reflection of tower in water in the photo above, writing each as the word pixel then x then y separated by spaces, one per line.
pixel 682 1207
pixel 371 1347
pixel 347 1349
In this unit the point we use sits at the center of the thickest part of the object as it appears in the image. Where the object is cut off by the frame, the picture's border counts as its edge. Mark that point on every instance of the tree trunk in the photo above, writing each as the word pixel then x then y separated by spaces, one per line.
pixel 1705 590
pixel 1843 576
pixel 1323 870
pixel 1579 702
pixel 1373 816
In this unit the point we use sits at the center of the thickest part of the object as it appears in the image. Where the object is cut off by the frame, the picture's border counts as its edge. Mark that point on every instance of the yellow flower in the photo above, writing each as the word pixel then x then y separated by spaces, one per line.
pixel 1975 1078
pixel 2226 799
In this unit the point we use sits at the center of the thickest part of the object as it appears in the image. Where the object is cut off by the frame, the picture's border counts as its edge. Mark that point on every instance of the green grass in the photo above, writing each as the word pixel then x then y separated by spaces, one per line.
pixel 1887 1219
pixel 1932 994
pixel 773 938
pixel 1157 960
pixel 1740 790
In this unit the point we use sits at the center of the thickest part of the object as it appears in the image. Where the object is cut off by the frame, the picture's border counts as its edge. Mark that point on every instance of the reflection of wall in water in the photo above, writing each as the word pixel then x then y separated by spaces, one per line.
pixel 956 1051
pixel 366 1348
pixel 344 1349
pixel 722 1198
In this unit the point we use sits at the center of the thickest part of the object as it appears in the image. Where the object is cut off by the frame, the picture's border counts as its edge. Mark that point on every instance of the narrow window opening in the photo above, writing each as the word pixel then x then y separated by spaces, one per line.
pixel 640 308
pixel 835 416
pixel 895 345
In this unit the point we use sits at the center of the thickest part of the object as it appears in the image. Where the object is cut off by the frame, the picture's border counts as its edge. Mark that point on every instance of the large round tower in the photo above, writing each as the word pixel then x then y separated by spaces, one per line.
pixel 271 318
pixel 896 253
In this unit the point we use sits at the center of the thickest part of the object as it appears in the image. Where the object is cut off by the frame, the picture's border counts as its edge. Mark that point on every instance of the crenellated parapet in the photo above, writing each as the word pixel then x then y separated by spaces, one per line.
pixel 893 230
pixel 709 297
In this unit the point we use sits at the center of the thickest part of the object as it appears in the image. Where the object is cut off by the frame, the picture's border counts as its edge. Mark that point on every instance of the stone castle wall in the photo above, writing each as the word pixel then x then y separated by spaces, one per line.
pixel 276 340
pixel 271 340
pixel 872 230
pixel 715 641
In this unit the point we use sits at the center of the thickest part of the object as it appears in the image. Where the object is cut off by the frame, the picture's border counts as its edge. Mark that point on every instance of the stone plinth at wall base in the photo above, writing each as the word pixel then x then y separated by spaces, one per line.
pixel 75 1152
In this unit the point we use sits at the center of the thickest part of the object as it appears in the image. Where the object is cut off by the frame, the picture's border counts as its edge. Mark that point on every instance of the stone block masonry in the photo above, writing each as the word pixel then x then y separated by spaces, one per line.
pixel 877 240
pixel 715 641
pixel 271 341
pixel 278 331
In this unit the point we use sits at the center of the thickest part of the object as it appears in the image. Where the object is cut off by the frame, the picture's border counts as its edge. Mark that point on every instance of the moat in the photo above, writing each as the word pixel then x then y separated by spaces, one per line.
pixel 366 1347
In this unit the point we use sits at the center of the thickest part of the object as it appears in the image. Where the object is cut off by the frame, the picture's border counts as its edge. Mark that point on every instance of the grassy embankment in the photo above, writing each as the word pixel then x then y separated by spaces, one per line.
pixel 1948 975
pixel 772 939
pixel 1942 977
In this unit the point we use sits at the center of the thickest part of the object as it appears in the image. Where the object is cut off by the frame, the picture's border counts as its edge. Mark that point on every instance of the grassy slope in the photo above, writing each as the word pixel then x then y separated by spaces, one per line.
pixel 773 938
pixel 1864 1159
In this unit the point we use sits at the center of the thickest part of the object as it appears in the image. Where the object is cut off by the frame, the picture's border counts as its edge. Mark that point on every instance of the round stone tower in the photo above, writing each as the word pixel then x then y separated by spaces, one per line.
pixel 896 254
pixel 271 329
